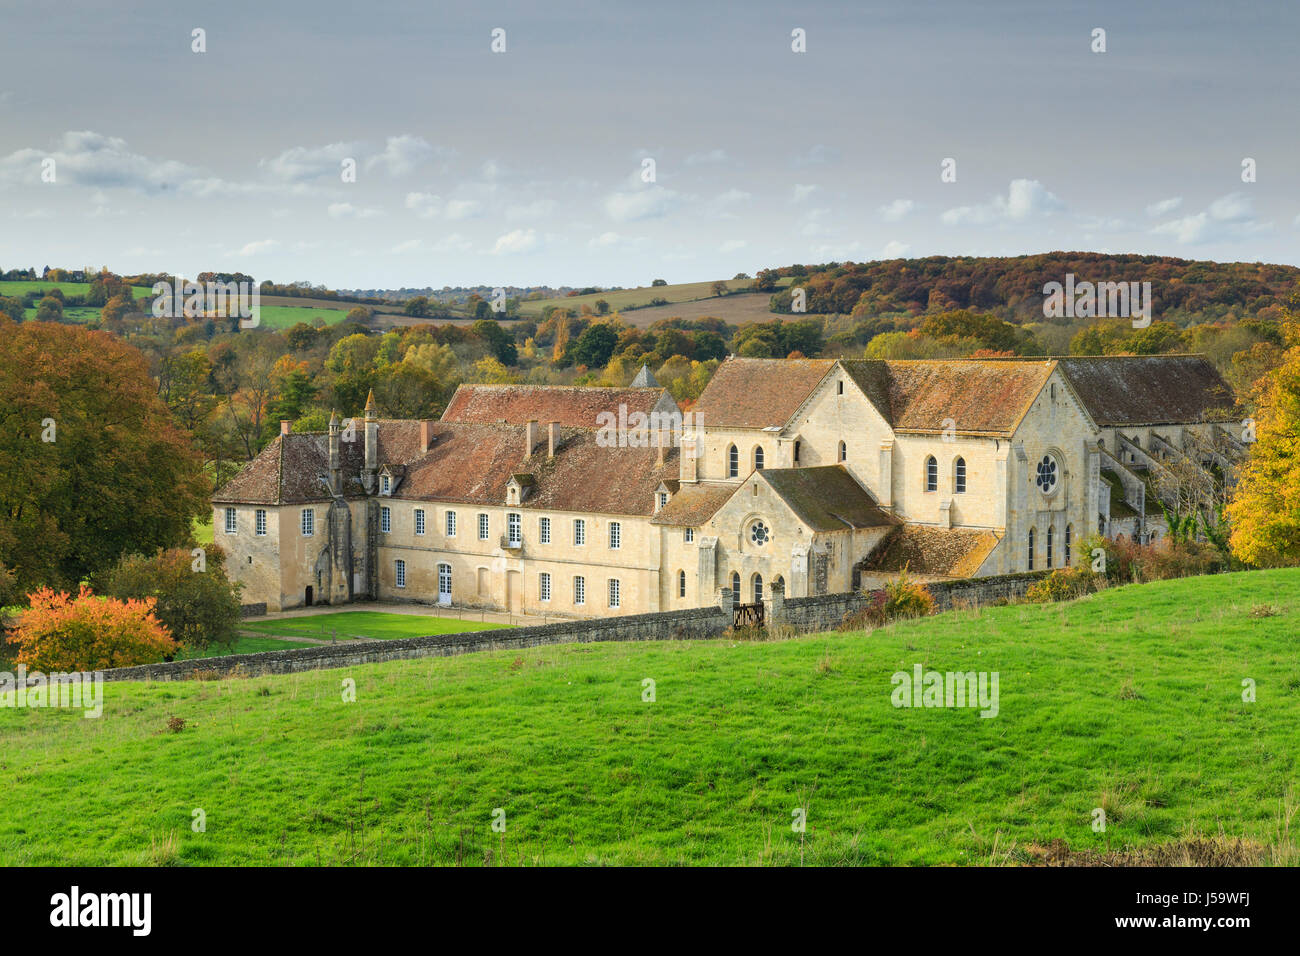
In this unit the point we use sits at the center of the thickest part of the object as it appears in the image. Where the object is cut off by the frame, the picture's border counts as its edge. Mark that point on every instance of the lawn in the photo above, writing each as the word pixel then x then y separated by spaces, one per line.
pixel 624 298
pixel 377 625
pixel 1130 700
pixel 250 645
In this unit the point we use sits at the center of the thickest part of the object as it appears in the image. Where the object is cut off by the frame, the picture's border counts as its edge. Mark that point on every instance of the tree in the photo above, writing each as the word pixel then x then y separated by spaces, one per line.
pixel 12 306
pixel 362 316
pixel 117 308
pixel 92 464
pixel 405 390
pixel 658 282
pixel 602 307
pixel 718 288
pixel 58 632
pixel 199 608
pixel 498 340
pixel 418 306
pixel 594 346
pixel 1265 509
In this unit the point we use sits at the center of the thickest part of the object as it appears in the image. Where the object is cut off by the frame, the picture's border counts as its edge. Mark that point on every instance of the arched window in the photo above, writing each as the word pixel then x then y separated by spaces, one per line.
pixel 1031 549
pixel 758 457
pixel 733 462
pixel 681 584
pixel 931 474
pixel 779 580
pixel 735 586
pixel 758 589
pixel 844 452
pixel 1049 545
pixel 1069 535
pixel 959 476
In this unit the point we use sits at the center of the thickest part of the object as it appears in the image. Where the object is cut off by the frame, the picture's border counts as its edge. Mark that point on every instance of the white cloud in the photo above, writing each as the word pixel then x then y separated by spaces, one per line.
pixel 1164 207
pixel 345 210
pixel 1026 199
pixel 818 155
pixel 520 240
pixel 896 210
pixel 260 246
pixel 723 204
pixel 464 209
pixel 649 203
pixel 606 240
pixel 86 158
pixel 404 154
pixel 803 191
pixel 303 164
pixel 425 205
pixel 894 250
pixel 732 245
pixel 537 209
pixel 1228 217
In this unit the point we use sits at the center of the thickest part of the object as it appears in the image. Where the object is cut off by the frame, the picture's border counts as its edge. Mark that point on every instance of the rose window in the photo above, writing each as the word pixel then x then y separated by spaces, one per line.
pixel 1046 479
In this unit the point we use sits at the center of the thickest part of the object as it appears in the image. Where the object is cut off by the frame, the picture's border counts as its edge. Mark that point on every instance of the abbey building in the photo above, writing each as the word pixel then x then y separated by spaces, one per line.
pixel 822 475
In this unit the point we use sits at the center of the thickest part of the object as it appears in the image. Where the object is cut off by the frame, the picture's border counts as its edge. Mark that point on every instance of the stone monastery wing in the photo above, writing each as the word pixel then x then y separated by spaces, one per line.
pixel 1132 390
pixel 757 393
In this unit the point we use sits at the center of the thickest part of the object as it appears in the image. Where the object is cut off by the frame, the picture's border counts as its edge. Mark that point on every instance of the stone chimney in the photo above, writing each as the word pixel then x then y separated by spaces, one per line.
pixel 372 444
pixel 687 460
pixel 336 472
pixel 285 426
pixel 530 437
pixel 552 438
pixel 426 435
pixel 660 440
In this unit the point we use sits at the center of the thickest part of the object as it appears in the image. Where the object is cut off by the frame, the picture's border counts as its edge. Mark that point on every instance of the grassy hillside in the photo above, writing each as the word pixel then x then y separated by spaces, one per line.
pixel 627 298
pixel 1128 700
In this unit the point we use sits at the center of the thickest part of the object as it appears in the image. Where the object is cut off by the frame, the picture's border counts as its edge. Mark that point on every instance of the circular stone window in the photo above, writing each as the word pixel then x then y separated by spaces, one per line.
pixel 759 533
pixel 1047 475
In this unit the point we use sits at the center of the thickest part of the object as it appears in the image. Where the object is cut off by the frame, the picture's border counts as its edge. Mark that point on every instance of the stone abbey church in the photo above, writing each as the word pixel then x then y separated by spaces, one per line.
pixel 819 475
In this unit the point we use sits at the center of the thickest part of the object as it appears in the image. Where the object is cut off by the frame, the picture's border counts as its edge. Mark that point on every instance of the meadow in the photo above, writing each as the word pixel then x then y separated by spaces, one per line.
pixel 1130 701
pixel 370 625
pixel 682 292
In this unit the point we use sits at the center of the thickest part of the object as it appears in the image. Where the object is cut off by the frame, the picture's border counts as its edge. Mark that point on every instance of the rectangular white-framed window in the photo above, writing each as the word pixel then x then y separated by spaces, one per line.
pixel 615 593
pixel 308 522
pixel 419 521
pixel 385 519
pixel 615 535
pixel 544 530
pixel 690 535
pixel 515 528
pixel 663 500
pixel 451 524
pixel 483 527
pixel 231 523
pixel 579 531
pixel 385 485
pixel 399 572
pixel 259 524
pixel 579 589
pixel 543 586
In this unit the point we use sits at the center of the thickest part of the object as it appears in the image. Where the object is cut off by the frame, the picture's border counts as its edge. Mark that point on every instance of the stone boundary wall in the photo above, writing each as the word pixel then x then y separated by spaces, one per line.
pixel 252 610
pixel 808 614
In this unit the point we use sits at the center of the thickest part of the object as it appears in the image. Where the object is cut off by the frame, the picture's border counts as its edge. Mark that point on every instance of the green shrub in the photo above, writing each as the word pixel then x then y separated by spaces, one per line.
pixel 1065 584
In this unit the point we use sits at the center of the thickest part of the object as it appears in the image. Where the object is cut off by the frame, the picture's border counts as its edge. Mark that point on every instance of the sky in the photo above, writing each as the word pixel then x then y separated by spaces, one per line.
pixel 529 166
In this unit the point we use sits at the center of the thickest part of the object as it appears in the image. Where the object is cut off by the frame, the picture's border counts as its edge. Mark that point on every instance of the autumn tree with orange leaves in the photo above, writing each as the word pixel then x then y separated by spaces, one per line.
pixel 59 632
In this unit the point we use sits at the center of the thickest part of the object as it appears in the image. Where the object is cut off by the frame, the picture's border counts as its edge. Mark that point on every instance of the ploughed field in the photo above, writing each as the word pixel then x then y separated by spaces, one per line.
pixel 1130 701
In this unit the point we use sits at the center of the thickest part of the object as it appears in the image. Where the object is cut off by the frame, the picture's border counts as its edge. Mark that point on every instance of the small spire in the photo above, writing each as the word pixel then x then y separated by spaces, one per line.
pixel 370 401
pixel 334 418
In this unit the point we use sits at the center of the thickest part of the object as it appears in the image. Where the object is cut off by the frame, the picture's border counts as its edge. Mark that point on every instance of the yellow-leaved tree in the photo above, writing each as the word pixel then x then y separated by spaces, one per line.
pixel 1265 507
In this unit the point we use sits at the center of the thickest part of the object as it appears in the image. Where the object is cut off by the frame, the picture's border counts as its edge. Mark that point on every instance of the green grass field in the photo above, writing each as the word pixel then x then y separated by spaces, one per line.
pixel 375 625
pixel 250 645
pixel 681 292
pixel 1130 700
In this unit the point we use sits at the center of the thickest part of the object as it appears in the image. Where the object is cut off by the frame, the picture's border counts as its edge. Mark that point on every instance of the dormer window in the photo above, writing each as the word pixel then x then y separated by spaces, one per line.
pixel 663 500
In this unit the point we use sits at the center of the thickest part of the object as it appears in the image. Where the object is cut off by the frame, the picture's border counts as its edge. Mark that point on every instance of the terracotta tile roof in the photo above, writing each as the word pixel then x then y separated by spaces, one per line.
pixel 826 498
pixel 928 551
pixel 467 463
pixel 982 397
pixel 571 405
pixel 694 504
pixel 756 393
pixel 1124 390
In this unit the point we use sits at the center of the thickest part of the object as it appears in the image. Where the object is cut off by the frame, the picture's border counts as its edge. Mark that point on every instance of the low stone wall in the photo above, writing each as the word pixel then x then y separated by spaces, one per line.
pixel 252 610
pixel 803 614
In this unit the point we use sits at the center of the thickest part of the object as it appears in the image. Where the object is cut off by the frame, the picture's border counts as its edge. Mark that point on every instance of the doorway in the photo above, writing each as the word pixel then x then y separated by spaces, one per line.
pixel 307 602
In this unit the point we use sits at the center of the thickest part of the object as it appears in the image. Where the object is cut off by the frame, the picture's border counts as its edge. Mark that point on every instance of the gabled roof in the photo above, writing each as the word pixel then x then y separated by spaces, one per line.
pixel 757 393
pixel 1127 390
pixel 979 396
pixel 286 472
pixel 928 551
pixel 694 504
pixel 572 405
pixel 826 498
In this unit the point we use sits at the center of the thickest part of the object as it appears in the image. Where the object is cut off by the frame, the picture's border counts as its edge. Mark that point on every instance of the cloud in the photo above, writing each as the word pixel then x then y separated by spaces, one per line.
pixel 425 205
pixel 1164 207
pixel 537 209
pixel 87 158
pixel 606 240
pixel 732 245
pixel 818 155
pixel 464 209
pixel 404 154
pixel 802 192
pixel 1228 217
pixel 896 210
pixel 649 203
pixel 1026 199
pixel 723 204
pixel 894 250
pixel 303 164
pixel 452 243
pixel 345 210
pixel 520 240
pixel 258 247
